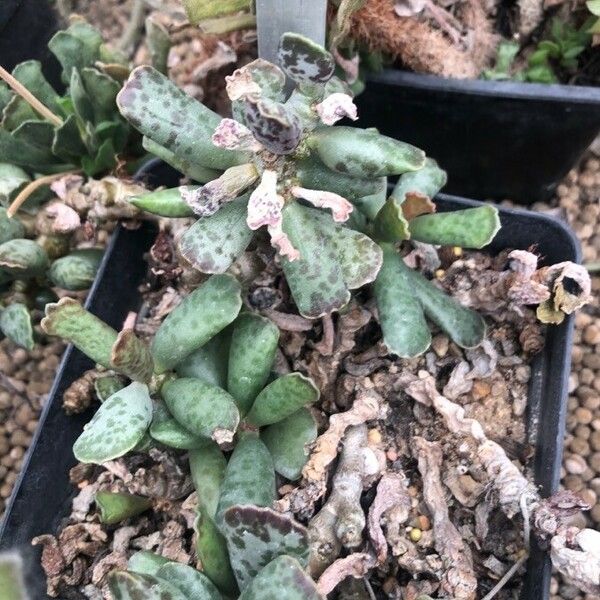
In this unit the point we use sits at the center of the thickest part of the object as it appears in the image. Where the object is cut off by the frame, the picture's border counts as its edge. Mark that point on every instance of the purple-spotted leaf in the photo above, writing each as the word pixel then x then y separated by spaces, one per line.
pixel 201 315
pixel 256 536
pixel 364 152
pixel 284 579
pixel 315 278
pixel 207 467
pixel 303 60
pixel 205 410
pixel 190 582
pixel 73 323
pixel 249 477
pixel 211 549
pixel 276 128
pixel 269 77
pixel 135 586
pixel 289 442
pixel 405 330
pixel 117 427
pixel 23 258
pixel 467 228
pixel 253 346
pixel 116 506
pixel 166 430
pixel 389 224
pixel 15 324
pixel 131 356
pixel 165 114
pixel 282 398
pixel 427 181
pixel 213 243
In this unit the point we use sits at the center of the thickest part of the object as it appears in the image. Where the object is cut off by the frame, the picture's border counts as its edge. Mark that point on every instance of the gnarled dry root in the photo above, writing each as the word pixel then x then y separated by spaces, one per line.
pixel 575 553
pixel 419 45
pixel 355 565
pixel 341 521
pixel 458 580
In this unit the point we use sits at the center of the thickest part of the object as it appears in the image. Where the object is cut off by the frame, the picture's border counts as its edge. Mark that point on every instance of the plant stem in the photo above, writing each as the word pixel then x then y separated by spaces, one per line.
pixel 20 89
pixel 32 187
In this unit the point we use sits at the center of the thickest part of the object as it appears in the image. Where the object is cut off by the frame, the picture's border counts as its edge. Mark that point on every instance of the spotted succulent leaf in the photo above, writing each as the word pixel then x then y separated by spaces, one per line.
pixel 467 228
pixel 117 506
pixel 107 385
pixel 427 181
pixel 284 579
pixel 204 410
pixel 207 467
pixel 212 552
pixel 166 430
pixel 15 324
pixel 125 585
pixel 254 342
pixel 364 152
pixel 201 315
pixel 70 321
pixel 282 398
pixel 303 60
pixel 10 228
pixel 145 562
pixel 249 476
pixel 131 356
pixel 77 270
pixel 165 114
pixel 256 536
pixel 269 77
pixel 23 258
pixel 390 225
pixel 289 441
pixel 213 243
pixel 276 128
pixel 117 427
pixel 405 330
pixel 190 582
pixel 164 203
pixel 208 363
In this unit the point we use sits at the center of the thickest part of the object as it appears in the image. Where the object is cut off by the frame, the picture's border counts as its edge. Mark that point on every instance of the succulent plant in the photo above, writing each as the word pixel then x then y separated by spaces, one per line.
pixel 278 165
pixel 405 297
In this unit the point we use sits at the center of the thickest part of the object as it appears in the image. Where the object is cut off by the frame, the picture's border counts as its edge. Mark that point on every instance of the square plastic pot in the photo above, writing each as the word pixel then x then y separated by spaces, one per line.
pixel 42 495
pixel 517 140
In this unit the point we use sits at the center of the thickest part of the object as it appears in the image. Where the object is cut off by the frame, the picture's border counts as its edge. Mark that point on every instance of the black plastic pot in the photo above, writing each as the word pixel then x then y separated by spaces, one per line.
pixel 516 140
pixel 42 494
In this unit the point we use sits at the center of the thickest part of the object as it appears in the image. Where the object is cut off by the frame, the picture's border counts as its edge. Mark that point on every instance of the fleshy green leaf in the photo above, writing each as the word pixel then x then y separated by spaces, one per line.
pixel 314 175
pixel 198 10
pixel 269 77
pixel 203 409
pixel 161 111
pixel 165 203
pixel 116 507
pixel 211 548
pixel 303 60
pixel 15 324
pixel 158 41
pixel 166 430
pixel 131 356
pixel 11 577
pixel 256 536
pixel 29 73
pixel 467 228
pixel 21 151
pixel 146 562
pixel 70 321
pixel 389 224
pixel 117 427
pixel 282 398
pixel 272 124
pixel 23 258
pixel 107 385
pixel 253 346
pixel 207 467
pixel 405 331
pixel 82 102
pixel 12 180
pixel 249 477
pixel 103 91
pixel 427 181
pixel 191 583
pixel 201 315
pixel 67 143
pixel 77 270
pixel 209 362
pixel 288 442
pixel 136 586
pixel 16 112
pixel 10 228
pixel 284 579
pixel 315 279
pixel 364 153
pixel 213 243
